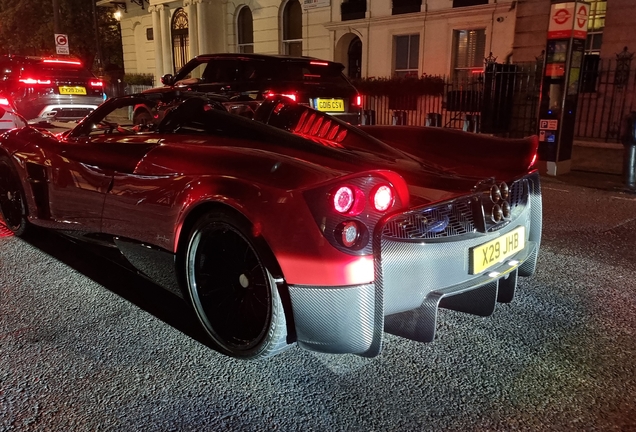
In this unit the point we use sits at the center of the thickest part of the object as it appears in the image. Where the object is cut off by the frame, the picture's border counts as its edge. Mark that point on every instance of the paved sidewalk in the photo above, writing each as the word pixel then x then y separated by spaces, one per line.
pixel 595 165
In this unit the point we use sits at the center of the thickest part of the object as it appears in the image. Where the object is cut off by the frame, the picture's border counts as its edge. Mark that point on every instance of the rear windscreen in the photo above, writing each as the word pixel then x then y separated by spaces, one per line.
pixel 301 72
pixel 57 71
pixel 258 71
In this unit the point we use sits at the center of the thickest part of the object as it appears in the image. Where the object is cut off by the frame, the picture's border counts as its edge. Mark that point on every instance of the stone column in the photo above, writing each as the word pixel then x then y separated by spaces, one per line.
pixel 203 41
pixel 193 25
pixel 166 42
pixel 156 34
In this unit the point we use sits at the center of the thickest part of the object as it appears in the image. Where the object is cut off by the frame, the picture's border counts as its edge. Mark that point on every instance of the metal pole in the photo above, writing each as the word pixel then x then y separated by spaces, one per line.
pixel 100 62
pixel 629 159
pixel 56 16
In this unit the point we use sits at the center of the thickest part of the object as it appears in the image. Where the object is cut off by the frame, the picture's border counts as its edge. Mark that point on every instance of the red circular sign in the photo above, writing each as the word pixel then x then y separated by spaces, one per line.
pixel 61 40
pixel 581 16
pixel 561 16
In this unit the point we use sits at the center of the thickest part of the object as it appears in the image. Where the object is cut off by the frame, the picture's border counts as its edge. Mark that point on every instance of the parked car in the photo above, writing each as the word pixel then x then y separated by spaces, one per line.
pixel 10 118
pixel 243 78
pixel 46 88
pixel 293 227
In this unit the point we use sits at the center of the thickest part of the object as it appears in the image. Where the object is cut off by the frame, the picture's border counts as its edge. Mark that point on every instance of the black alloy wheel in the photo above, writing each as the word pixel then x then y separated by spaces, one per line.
pixel 234 295
pixel 12 201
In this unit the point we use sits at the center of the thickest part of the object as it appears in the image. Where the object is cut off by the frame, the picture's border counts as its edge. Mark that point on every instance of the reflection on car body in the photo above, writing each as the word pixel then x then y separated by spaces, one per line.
pixel 317 83
pixel 293 227
pixel 48 88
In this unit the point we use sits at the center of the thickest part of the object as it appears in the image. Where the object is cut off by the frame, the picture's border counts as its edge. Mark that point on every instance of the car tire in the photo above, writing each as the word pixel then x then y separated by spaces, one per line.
pixel 12 199
pixel 143 117
pixel 233 293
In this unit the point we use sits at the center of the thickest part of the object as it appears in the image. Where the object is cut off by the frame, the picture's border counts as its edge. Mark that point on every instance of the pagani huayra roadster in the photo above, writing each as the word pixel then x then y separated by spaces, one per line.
pixel 290 227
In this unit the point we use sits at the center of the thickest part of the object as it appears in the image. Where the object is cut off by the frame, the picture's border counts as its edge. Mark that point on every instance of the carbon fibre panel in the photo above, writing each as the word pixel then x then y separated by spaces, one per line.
pixel 410 271
pixel 335 320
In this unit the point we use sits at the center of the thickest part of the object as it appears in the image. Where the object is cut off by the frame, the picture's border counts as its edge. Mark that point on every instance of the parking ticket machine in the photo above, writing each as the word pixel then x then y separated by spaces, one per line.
pixel 560 86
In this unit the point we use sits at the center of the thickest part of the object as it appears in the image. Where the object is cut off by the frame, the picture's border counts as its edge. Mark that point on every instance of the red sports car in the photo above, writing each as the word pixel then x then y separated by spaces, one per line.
pixel 290 228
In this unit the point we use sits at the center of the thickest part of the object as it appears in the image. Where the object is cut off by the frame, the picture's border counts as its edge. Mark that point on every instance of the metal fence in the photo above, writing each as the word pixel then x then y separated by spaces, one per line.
pixel 121 89
pixel 503 100
pixel 606 97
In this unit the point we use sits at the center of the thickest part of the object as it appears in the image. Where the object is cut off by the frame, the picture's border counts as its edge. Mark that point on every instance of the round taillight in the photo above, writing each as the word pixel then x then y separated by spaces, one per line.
pixel 350 234
pixel 383 198
pixel 343 199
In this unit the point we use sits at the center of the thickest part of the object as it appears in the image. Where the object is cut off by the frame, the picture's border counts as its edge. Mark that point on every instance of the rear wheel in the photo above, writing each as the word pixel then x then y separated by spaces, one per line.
pixel 233 292
pixel 12 200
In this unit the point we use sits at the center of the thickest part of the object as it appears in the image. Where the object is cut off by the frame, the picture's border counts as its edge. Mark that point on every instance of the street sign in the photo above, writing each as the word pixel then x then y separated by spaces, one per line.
pixel 568 20
pixel 61 44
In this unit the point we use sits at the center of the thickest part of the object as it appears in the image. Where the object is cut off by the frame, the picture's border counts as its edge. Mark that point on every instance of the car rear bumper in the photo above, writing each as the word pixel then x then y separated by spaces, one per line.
pixel 413 279
pixel 352 319
pixel 59 107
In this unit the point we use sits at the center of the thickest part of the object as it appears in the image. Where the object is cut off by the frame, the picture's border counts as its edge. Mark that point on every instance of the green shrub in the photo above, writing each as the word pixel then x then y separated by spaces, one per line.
pixel 139 79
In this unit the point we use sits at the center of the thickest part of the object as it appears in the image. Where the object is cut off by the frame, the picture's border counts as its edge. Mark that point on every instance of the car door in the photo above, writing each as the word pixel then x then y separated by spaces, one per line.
pixel 82 171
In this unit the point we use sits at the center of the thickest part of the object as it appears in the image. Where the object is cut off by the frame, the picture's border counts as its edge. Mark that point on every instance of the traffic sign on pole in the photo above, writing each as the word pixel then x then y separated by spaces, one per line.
pixel 61 44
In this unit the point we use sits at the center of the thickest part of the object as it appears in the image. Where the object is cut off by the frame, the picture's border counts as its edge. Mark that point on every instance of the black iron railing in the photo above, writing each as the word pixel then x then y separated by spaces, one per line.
pixel 504 98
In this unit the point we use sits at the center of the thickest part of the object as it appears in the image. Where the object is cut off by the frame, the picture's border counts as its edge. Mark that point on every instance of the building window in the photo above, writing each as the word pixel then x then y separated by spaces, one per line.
pixel 469 48
pixel 292 29
pixel 595 26
pixel 592 58
pixel 245 31
pixel 353 9
pixel 464 3
pixel 180 41
pixel 407 55
pixel 406 6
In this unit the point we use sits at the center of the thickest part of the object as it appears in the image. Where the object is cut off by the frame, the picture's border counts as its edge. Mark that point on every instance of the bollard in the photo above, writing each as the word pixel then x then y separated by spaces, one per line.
pixel 399 118
pixel 471 123
pixel 368 117
pixel 434 119
pixel 629 158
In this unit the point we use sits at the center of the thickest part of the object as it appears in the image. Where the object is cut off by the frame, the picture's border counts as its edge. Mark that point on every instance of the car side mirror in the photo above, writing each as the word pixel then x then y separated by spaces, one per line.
pixel 167 79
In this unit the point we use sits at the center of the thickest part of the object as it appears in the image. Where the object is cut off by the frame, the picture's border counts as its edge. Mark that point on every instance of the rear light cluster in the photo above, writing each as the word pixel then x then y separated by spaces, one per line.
pixel 351 201
pixel 346 197
pixel 270 94
pixel 34 81
pixel 348 212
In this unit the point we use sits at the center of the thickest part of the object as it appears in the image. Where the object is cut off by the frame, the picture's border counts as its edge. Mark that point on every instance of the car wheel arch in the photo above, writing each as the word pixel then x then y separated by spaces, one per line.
pixel 6 159
pixel 204 208
pixel 263 250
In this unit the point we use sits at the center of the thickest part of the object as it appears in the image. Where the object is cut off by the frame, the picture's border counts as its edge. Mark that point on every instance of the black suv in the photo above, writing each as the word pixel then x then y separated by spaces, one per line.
pixel 45 89
pixel 253 77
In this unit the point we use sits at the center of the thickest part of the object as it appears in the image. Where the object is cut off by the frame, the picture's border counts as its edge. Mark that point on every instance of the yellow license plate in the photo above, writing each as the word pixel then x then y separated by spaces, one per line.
pixel 484 256
pixel 330 105
pixel 67 90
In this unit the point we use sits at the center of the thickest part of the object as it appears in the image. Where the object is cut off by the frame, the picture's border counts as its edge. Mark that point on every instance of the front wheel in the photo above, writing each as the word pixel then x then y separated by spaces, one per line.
pixel 233 293
pixel 12 201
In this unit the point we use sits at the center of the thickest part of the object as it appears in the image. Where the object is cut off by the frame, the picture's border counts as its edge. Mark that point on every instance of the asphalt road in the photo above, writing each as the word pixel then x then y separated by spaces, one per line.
pixel 87 346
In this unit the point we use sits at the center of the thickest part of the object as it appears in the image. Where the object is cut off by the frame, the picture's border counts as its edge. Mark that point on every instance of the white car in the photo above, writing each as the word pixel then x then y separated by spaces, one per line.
pixel 9 118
